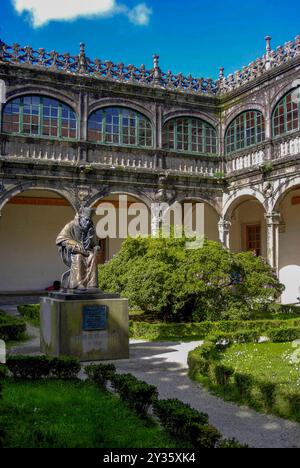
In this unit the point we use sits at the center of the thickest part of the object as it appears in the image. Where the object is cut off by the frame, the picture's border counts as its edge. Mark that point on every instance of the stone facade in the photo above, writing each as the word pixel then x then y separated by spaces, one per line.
pixel 83 172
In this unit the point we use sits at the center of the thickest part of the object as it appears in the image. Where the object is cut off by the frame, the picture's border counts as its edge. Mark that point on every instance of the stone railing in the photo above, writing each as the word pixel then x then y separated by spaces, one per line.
pixel 106 70
pixel 246 159
pixel 287 146
pixel 81 65
pixel 153 161
pixel 29 149
pixel 272 59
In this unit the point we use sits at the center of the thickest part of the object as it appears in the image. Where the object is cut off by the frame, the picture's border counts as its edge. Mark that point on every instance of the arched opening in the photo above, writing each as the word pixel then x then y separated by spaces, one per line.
pixel 120 126
pixel 248 231
pixel 208 225
pixel 289 244
pixel 39 116
pixel 190 135
pixel 120 214
pixel 29 225
pixel 285 117
pixel 246 130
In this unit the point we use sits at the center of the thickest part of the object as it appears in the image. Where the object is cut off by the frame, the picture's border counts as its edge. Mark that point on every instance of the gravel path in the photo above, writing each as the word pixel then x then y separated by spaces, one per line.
pixel 165 366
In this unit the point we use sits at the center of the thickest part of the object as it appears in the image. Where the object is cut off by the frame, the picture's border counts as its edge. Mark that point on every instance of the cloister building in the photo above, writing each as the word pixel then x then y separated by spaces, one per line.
pixel 78 132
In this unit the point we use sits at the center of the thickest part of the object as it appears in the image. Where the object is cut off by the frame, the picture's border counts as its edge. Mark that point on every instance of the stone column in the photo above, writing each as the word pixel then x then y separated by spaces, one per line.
pixel 273 223
pixel 157 214
pixel 224 232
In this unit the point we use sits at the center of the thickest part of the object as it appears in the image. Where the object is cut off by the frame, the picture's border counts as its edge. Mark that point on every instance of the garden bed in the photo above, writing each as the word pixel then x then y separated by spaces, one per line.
pixel 238 368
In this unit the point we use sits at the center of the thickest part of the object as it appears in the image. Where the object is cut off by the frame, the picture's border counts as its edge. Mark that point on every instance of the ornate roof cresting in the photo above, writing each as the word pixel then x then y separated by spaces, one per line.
pixel 106 70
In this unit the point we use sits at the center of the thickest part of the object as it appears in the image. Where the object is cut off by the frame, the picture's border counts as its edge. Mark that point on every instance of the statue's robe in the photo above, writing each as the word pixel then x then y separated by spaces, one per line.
pixel 83 266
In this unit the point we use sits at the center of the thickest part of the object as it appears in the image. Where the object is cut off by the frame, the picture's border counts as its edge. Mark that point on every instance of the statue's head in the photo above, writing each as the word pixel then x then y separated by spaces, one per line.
pixel 86 218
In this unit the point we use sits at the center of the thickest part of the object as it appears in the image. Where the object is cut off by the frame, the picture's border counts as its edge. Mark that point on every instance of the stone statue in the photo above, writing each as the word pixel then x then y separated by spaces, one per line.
pixel 79 248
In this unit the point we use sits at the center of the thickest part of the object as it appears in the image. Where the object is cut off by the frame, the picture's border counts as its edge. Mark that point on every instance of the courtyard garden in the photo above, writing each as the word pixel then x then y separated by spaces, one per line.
pixel 264 375
pixel 226 302
pixel 44 402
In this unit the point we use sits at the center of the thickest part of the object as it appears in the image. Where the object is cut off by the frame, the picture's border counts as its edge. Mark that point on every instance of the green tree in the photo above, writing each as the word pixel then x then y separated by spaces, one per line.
pixel 162 277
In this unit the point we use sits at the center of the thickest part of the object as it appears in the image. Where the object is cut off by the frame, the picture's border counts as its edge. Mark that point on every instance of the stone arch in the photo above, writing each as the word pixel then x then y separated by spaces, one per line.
pixel 281 93
pixel 120 102
pixel 250 106
pixel 196 198
pixel 212 120
pixel 139 195
pixel 111 240
pixel 27 90
pixel 282 191
pixel 244 222
pixel 31 219
pixel 234 200
pixel 13 192
pixel 211 212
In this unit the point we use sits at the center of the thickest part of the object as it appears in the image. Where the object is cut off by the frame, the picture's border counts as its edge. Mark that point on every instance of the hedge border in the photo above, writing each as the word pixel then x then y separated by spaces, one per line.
pixel 205 361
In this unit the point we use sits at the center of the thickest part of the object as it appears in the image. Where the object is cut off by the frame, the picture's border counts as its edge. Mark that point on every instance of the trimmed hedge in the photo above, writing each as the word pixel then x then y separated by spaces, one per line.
pixel 284 334
pixel 11 329
pixel 205 360
pixel 100 374
pixel 30 312
pixel 165 331
pixel 187 424
pixel 38 367
pixel 137 394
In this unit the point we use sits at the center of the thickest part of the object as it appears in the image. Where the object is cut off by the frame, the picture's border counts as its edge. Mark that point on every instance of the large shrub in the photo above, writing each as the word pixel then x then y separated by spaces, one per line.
pixel 162 277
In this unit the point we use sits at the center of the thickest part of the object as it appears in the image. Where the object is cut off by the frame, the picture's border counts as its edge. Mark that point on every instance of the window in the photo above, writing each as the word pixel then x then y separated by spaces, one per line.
pixel 39 116
pixel 246 130
pixel 253 238
pixel 120 126
pixel 286 114
pixel 190 135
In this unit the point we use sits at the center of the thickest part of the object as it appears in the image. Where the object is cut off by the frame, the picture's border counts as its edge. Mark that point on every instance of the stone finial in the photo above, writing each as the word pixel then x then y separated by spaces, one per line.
pixel 268 52
pixel 157 70
pixel 82 59
pixel 268 44
pixel 221 74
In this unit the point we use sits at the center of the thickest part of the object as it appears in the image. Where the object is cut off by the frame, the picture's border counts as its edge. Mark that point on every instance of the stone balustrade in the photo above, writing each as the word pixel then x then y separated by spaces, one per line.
pixel 106 70
pixel 245 160
pixel 17 148
pixel 287 146
pixel 29 149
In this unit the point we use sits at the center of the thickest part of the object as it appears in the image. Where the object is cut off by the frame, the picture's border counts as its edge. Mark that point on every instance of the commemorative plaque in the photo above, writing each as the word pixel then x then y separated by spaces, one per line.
pixel 94 317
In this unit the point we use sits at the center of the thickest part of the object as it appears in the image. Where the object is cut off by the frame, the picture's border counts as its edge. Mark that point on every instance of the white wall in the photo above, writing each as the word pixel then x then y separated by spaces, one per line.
pixel 289 249
pixel 29 258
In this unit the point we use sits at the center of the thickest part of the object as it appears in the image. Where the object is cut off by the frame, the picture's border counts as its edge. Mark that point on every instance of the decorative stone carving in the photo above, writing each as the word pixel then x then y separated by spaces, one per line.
pixel 268 190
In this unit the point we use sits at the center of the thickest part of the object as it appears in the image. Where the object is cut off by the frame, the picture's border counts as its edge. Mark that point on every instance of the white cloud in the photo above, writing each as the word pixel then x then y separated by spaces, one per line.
pixel 43 11
pixel 140 14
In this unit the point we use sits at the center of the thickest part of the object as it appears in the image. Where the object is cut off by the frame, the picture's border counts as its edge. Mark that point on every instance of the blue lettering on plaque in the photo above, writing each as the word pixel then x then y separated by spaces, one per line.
pixel 95 317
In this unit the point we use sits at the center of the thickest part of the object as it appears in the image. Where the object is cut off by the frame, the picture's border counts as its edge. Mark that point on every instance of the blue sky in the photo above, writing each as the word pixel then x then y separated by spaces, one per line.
pixel 191 36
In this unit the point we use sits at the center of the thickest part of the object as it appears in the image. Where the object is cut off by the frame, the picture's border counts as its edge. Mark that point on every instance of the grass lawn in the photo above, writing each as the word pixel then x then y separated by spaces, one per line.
pixel 274 363
pixel 267 361
pixel 59 414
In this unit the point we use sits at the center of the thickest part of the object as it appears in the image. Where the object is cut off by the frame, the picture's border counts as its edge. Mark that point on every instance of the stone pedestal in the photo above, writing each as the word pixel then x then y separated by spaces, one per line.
pixel 89 327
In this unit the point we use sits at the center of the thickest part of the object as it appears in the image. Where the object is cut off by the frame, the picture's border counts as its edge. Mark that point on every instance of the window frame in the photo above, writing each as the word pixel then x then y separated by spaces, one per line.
pixel 283 102
pixel 208 132
pixel 238 126
pixel 137 129
pixel 41 105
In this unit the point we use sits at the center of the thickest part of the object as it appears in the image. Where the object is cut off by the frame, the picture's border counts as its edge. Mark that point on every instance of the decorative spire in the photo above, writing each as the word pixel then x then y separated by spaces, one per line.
pixel 82 62
pixel 268 52
pixel 157 70
pixel 221 74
